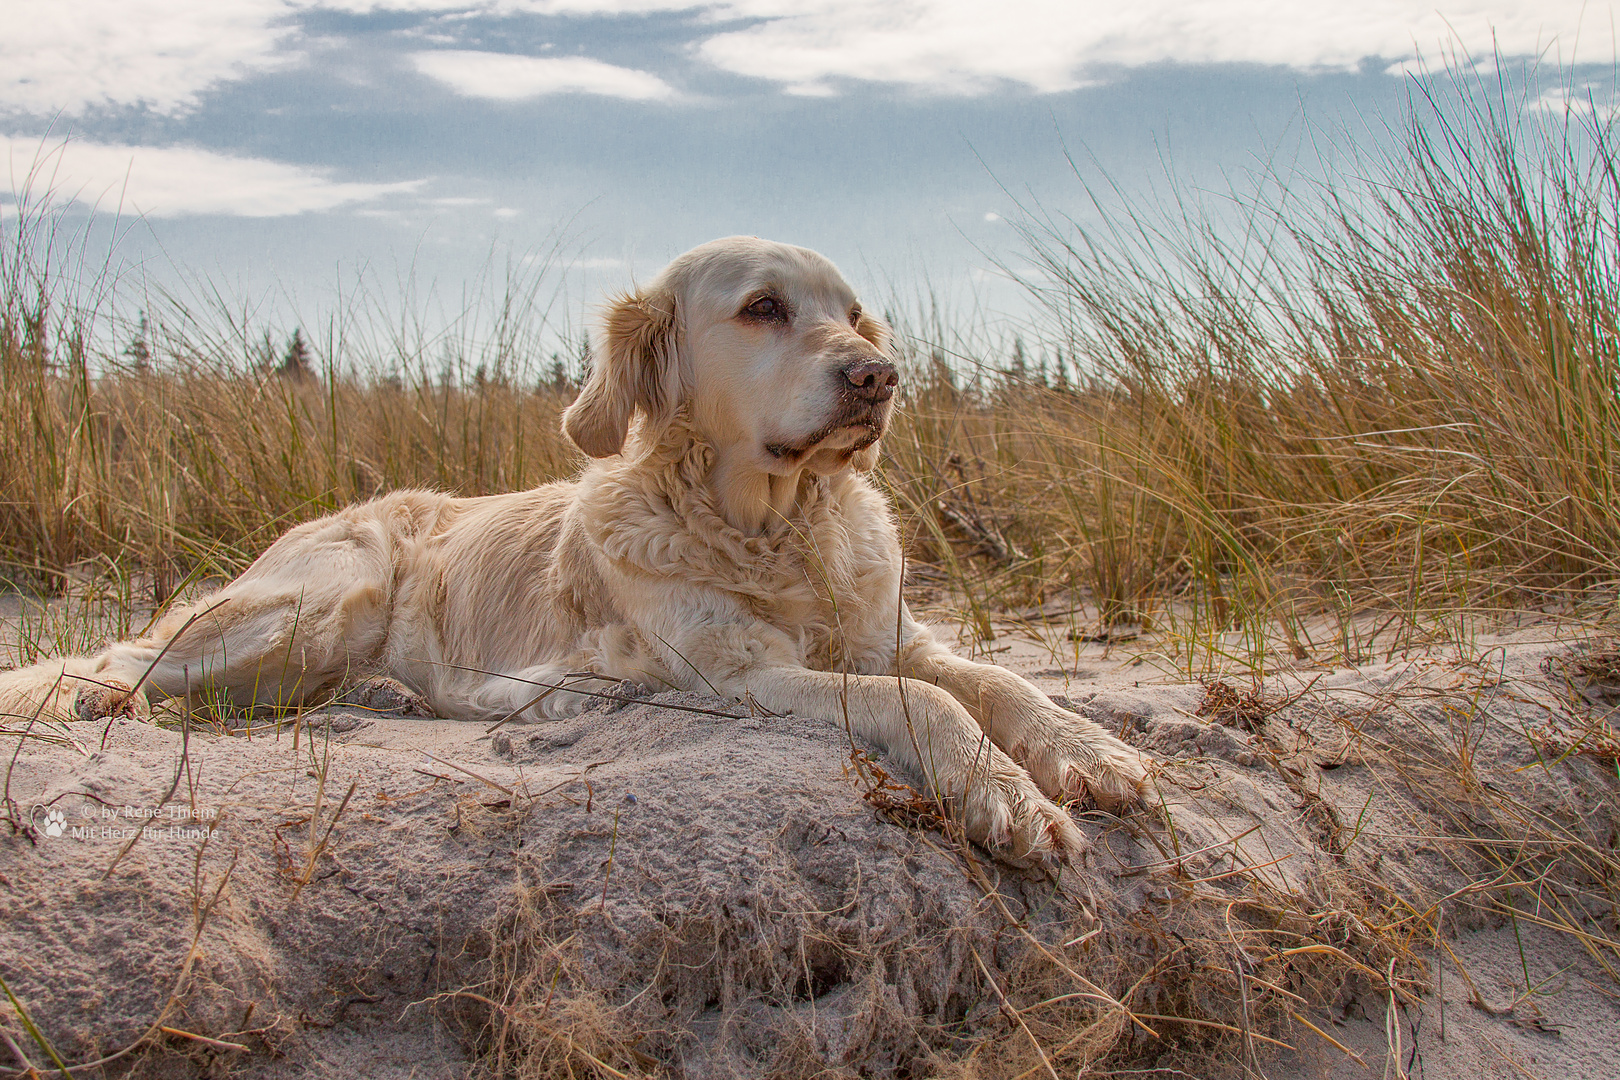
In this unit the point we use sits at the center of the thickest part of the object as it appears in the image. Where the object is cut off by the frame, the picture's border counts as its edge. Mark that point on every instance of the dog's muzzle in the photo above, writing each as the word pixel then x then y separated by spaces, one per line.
pixel 865 387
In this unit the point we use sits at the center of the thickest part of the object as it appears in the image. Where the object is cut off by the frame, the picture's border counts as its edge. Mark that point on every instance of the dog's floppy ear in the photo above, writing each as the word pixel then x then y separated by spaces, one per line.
pixel 635 368
pixel 877 332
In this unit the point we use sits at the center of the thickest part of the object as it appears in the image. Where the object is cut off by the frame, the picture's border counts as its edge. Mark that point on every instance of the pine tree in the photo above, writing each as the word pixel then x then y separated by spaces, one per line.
pixel 138 351
pixel 1017 368
pixel 557 375
pixel 295 362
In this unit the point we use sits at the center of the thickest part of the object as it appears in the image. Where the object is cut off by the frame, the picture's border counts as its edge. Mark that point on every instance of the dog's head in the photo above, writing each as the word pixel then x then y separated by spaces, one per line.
pixel 766 345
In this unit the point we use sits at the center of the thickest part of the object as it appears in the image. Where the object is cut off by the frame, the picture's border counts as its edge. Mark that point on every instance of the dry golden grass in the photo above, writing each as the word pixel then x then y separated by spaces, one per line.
pixel 199 456
pixel 1402 397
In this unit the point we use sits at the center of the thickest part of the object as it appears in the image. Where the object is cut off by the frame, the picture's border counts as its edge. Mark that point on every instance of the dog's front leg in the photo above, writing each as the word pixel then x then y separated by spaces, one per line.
pixel 933 735
pixel 922 726
pixel 1067 754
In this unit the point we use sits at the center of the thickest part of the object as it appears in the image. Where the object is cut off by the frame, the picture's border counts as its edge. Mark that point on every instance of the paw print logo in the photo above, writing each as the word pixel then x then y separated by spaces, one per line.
pixel 55 823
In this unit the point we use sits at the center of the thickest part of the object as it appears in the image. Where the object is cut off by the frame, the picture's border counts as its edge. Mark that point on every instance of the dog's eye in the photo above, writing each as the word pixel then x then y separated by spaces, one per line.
pixel 767 308
pixel 855 315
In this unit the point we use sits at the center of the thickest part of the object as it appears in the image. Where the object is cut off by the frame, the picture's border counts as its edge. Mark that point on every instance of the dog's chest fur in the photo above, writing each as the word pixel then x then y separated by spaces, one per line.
pixel 826 576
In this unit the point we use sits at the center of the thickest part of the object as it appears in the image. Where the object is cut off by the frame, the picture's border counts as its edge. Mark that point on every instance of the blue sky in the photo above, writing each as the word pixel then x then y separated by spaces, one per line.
pixel 279 149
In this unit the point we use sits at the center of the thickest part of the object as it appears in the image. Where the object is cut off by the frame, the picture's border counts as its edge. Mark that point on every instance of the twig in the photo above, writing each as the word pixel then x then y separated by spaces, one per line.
pixel 315 853
pixel 613 843
pixel 1357 1058
pixel 1217 1025
pixel 1239 870
pixel 586 693
pixel 1392 1029
pixel 221 1043
pixel 1014 1013
pixel 17 1051
pixel 185 757
pixel 541 696
pixel 1505 1056
pixel 438 776
pixel 503 789
pixel 594 1060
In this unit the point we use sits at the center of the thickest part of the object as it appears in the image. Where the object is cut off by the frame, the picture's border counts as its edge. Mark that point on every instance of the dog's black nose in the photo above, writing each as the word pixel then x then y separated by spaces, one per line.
pixel 873 380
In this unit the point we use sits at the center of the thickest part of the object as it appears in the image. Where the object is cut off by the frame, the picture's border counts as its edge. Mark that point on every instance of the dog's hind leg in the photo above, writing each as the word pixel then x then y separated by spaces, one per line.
pixel 70 688
pixel 248 647
pixel 313 610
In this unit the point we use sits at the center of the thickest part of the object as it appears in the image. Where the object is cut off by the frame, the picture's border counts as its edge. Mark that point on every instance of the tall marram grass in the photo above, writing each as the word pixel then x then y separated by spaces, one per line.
pixel 1392 388
pixel 1396 388
pixel 188 439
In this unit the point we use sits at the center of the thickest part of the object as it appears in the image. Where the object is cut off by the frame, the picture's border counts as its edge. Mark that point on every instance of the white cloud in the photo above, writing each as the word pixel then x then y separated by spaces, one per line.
pixel 1586 100
pixel 505 77
pixel 511 7
pixel 70 56
pixel 969 46
pixel 175 181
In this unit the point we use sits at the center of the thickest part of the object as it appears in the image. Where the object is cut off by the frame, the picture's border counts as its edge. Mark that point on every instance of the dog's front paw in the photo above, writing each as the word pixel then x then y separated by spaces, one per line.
pixel 1076 758
pixel 1007 813
pixel 98 701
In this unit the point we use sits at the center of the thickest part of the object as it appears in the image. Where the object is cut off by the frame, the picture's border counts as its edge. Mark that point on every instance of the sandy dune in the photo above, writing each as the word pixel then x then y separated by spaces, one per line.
pixel 650 887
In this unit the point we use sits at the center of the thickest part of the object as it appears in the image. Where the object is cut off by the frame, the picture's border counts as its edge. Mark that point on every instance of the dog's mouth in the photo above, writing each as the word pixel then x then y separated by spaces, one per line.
pixel 862 431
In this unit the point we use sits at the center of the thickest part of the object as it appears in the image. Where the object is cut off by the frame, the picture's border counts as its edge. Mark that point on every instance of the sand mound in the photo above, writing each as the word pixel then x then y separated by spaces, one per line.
pixel 653 888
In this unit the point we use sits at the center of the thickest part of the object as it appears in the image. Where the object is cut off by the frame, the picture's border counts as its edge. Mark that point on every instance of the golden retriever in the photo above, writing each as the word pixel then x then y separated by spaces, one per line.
pixel 725 539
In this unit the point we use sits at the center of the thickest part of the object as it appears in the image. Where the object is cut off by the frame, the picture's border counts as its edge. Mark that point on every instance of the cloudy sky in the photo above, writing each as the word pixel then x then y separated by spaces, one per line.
pixel 280 147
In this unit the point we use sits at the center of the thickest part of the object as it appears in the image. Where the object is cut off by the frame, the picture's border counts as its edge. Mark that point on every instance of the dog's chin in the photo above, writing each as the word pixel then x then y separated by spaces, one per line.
pixel 829 450
pixel 860 456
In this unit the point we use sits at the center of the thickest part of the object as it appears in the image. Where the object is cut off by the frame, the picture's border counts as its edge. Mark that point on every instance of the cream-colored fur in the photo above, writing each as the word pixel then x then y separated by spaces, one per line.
pixel 725 538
